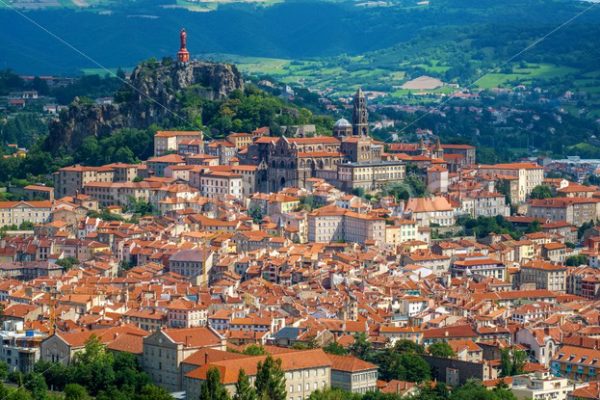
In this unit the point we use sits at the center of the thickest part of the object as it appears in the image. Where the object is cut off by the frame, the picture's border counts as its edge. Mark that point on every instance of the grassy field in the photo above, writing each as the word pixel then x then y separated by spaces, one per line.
pixel 47 4
pixel 100 71
pixel 342 78
pixel 523 75
pixel 211 5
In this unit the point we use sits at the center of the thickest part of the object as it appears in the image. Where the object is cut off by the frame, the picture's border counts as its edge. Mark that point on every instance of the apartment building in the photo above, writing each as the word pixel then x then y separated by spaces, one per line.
pixel 353 374
pixel 69 181
pixel 395 333
pixel 186 314
pixel 573 210
pixel 437 179
pixel 120 193
pixel 336 224
pixel 578 363
pixel 194 264
pixel 467 152
pixel 157 165
pixel 479 265
pixel 217 184
pixel 17 212
pixel 544 275
pixel 126 172
pixel 541 385
pixel 20 349
pixel 240 140
pixel 164 350
pixel 305 372
pixel 403 230
pixel 369 175
pixel 529 175
pixel 248 174
pixel 429 211
pixel 489 204
pixel 169 141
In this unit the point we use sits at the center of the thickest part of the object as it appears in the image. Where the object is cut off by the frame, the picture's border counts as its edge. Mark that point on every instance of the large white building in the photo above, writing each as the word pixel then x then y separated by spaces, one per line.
pixel 541 386
pixel 218 184
pixel 17 212
pixel 430 210
pixel 168 141
pixel 529 175
pixel 336 224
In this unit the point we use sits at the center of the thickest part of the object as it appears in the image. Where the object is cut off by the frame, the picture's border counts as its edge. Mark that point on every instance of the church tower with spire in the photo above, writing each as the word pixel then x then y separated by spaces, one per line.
pixel 360 115
pixel 183 55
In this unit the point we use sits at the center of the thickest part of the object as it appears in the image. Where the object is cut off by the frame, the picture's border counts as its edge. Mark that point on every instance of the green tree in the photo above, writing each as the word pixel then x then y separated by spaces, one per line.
pixel 574 261
pixel 68 262
pixel 139 207
pixel 270 380
pixel 19 394
pixel 441 349
pixel 533 227
pixel 3 365
pixel 408 346
pixel 153 392
pixel 256 214
pixel 243 388
pixel 512 362
pixel 254 350
pixel 36 384
pixel 361 347
pixel 212 388
pixel 73 391
pixel 308 203
pixel 541 192
pixel 26 226
pixel 473 390
pixel 333 394
pixel 130 373
pixel 335 348
pixel 583 228
pixel 360 192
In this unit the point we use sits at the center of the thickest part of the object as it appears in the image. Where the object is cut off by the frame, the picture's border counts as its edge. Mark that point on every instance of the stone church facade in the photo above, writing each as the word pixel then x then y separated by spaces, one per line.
pixel 285 162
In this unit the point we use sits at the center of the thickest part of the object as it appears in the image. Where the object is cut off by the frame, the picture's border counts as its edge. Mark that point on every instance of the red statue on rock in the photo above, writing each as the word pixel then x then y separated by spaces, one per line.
pixel 183 55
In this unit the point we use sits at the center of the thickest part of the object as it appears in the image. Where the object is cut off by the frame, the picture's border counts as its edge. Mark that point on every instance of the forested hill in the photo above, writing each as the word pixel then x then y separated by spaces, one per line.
pixel 157 93
pixel 298 29
pixel 162 95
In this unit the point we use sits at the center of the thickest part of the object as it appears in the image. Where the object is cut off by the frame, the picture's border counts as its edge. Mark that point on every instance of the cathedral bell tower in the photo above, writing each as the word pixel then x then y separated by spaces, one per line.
pixel 360 115
pixel 183 55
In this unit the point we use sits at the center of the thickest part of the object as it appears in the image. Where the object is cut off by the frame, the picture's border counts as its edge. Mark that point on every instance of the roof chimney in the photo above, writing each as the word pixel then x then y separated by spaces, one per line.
pixel 205 358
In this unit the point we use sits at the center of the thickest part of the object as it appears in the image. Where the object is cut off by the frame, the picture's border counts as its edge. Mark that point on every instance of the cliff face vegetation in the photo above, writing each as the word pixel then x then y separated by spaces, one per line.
pixel 153 98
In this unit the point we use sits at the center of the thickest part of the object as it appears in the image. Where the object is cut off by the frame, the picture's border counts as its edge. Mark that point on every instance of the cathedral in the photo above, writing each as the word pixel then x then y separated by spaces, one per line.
pixel 288 162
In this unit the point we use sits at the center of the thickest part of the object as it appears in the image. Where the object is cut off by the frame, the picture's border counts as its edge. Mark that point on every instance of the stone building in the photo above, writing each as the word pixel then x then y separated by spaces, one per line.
pixel 334 224
pixel 285 161
pixel 360 115
pixel 165 350
pixel 353 374
pixel 305 372
pixel 575 211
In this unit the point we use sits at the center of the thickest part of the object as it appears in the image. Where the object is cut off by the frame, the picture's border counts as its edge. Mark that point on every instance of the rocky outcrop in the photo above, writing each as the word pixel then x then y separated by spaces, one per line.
pixel 153 97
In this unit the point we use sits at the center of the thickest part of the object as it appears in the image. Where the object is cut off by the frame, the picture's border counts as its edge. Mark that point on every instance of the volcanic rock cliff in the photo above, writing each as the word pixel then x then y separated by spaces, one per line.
pixel 152 97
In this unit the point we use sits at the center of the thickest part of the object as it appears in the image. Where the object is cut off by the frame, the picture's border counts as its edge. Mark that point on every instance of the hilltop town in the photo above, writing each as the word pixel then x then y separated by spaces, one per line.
pixel 315 262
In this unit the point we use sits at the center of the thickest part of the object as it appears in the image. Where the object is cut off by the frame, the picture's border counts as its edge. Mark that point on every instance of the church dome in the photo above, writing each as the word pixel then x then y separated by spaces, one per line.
pixel 342 123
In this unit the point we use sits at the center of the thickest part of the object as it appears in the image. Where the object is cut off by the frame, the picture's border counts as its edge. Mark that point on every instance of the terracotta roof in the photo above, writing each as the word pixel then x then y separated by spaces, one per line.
pixel 177 133
pixel 194 337
pixel 349 364
pixel 425 204
pixel 229 369
pixel 32 204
